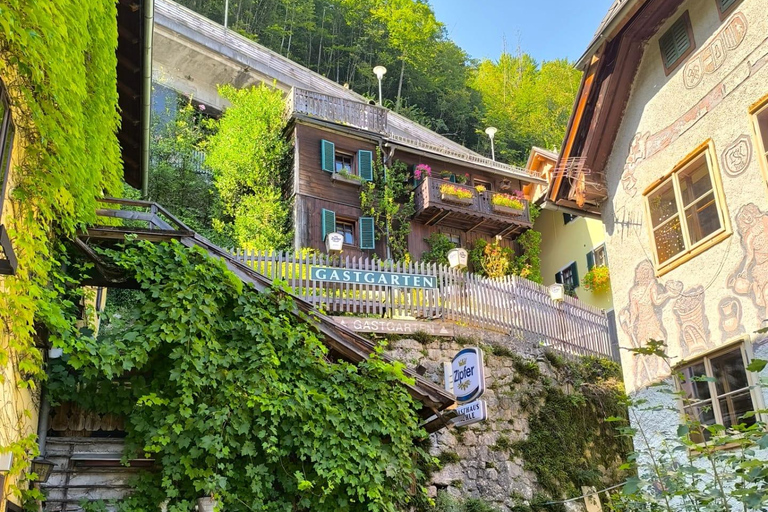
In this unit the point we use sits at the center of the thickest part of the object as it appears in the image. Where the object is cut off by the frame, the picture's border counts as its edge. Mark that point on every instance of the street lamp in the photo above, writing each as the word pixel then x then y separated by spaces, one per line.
pixel 380 71
pixel 491 131
pixel 42 468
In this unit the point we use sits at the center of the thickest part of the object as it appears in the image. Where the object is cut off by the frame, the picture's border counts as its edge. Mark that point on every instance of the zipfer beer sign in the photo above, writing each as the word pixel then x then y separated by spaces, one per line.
pixel 468 375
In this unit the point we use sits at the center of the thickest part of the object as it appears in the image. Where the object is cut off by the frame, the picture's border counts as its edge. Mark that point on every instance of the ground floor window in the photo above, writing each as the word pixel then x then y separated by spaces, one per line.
pixel 717 389
pixel 568 277
pixel 346 228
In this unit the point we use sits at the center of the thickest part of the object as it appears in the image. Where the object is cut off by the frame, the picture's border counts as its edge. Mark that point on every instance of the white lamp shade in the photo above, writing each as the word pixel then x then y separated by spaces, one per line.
pixel 379 71
pixel 491 131
pixel 557 292
pixel 334 242
pixel 458 258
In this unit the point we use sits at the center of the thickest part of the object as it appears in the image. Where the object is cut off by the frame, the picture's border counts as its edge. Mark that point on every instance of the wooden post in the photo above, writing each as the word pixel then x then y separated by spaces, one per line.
pixel 592 501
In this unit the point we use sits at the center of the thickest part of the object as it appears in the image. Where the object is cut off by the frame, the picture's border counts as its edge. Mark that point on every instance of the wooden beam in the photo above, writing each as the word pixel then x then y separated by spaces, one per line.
pixel 476 226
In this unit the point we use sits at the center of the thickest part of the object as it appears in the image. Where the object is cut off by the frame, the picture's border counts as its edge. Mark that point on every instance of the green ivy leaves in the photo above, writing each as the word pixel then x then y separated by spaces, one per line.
pixel 237 398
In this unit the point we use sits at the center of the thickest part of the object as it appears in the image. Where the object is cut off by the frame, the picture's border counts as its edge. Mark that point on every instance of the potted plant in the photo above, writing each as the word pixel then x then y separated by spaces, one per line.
pixel 422 171
pixel 462 178
pixel 480 189
pixel 598 279
pixel 456 194
pixel 345 176
pixel 447 175
pixel 510 204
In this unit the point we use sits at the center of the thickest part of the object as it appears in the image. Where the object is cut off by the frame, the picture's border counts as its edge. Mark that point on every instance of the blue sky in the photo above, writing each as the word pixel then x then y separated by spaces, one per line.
pixel 545 29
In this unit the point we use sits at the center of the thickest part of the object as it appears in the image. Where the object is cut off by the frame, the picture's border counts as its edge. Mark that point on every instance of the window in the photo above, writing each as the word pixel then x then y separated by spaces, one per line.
pixel 676 43
pixel 487 184
pixel 568 277
pixel 567 217
pixel 718 389
pixel 346 228
pixel 760 122
pixel 6 144
pixel 343 162
pixel 454 239
pixel 597 258
pixel 726 7
pixel 685 209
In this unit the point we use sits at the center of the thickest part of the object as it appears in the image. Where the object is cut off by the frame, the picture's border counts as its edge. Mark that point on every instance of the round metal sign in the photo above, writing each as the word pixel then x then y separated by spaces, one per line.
pixel 468 374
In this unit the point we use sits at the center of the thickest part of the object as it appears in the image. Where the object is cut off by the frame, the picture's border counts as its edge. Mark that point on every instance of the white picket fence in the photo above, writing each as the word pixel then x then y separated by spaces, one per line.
pixel 510 304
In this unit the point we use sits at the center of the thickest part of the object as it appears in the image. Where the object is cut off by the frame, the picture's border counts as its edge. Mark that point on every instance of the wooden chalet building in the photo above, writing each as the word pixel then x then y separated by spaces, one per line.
pixel 335 144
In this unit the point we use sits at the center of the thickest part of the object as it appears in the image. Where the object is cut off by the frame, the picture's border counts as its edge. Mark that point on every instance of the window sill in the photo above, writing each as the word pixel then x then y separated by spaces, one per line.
pixel 693 252
pixel 335 177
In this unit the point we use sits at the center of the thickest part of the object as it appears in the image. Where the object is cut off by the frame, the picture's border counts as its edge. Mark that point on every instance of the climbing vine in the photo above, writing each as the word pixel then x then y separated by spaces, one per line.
pixel 58 64
pixel 389 200
pixel 235 396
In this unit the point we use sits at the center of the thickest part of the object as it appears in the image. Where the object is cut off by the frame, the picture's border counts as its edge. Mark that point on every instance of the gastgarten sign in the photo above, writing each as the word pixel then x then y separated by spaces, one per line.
pixel 383 325
pixel 340 275
pixel 468 374
pixel 473 412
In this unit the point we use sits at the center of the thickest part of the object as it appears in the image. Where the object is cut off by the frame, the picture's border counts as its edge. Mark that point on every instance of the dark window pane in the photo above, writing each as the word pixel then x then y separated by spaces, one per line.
pixel 693 387
pixel 695 181
pixel 344 163
pixel 702 218
pixel 733 407
pixel 703 415
pixel 762 123
pixel 348 230
pixel 669 240
pixel 662 203
pixel 729 372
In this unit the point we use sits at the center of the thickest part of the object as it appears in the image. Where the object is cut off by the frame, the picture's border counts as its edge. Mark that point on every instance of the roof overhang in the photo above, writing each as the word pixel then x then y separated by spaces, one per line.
pixel 611 64
pixel 134 71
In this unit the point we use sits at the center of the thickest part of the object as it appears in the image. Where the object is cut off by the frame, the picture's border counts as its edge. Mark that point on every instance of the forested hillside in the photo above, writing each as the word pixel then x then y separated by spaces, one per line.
pixel 430 79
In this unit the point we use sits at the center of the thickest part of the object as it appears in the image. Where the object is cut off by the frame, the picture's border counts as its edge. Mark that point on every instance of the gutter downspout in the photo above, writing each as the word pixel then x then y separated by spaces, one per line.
pixel 149 22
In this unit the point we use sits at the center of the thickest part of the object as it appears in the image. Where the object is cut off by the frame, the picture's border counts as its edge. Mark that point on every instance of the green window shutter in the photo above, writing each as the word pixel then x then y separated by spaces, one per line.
pixel 590 260
pixel 329 222
pixel 367 236
pixel 575 271
pixel 675 42
pixel 327 156
pixel 725 4
pixel 559 278
pixel 365 165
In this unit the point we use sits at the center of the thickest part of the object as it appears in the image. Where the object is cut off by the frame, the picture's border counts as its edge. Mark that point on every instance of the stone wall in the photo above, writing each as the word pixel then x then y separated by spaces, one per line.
pixel 485 460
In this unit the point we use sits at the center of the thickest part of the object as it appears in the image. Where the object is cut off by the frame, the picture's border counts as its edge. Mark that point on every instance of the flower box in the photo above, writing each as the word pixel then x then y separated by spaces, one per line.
pixel 506 210
pixel 450 198
pixel 349 179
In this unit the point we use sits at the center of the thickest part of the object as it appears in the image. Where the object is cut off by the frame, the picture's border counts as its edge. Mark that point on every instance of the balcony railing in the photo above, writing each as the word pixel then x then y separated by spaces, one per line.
pixel 338 110
pixel 429 195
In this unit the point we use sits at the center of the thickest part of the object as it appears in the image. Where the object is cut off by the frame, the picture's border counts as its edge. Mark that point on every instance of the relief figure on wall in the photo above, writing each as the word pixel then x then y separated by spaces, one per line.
pixel 730 318
pixel 751 276
pixel 692 322
pixel 641 320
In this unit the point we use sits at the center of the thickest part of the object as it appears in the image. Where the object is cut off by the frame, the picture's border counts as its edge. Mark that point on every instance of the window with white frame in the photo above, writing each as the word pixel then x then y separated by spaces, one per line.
pixel 718 389
pixel 685 208
pixel 568 277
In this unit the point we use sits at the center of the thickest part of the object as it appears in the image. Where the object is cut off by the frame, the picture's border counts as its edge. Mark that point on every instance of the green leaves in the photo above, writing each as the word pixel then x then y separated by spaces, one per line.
pixel 757 365
pixel 236 397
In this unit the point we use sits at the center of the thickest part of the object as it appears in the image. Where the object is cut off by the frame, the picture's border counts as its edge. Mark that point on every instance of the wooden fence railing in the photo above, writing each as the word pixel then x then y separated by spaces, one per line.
pixel 511 304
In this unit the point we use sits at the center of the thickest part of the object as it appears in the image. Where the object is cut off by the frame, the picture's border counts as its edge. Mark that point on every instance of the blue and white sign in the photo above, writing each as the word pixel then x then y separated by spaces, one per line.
pixel 468 375
pixel 341 275
pixel 470 413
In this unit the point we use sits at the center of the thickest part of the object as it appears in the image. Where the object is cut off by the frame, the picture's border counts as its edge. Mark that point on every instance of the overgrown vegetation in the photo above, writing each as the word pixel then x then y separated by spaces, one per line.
pixel 570 442
pixel 439 247
pixel 58 63
pixel 389 200
pixel 248 155
pixel 236 397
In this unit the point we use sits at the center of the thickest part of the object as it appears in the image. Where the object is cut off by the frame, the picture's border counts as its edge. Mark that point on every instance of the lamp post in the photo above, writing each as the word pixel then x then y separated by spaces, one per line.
pixel 42 468
pixel 491 131
pixel 380 71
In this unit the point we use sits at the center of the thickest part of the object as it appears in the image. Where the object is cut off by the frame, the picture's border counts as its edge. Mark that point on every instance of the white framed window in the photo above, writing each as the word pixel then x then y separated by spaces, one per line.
pixel 718 389
pixel 686 209
pixel 760 124
pixel 346 228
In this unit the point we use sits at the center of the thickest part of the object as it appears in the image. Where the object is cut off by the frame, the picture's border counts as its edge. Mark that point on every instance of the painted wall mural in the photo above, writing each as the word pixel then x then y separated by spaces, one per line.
pixel 710 58
pixel 737 155
pixel 750 278
pixel 641 320
pixel 730 318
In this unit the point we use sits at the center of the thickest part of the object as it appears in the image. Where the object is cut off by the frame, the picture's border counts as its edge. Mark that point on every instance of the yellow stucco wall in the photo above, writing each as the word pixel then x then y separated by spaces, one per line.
pixel 563 243
pixel 18 405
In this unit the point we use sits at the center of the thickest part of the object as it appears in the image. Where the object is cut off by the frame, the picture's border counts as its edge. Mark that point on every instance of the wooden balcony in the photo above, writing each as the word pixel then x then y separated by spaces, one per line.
pixel 478 213
pixel 338 110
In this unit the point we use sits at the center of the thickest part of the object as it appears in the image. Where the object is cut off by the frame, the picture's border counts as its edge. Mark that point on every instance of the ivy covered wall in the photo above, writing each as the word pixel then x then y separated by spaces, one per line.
pixel 58 65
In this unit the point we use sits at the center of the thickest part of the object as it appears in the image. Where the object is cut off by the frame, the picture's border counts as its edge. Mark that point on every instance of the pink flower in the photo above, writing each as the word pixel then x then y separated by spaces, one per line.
pixel 422 170
pixel 201 106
